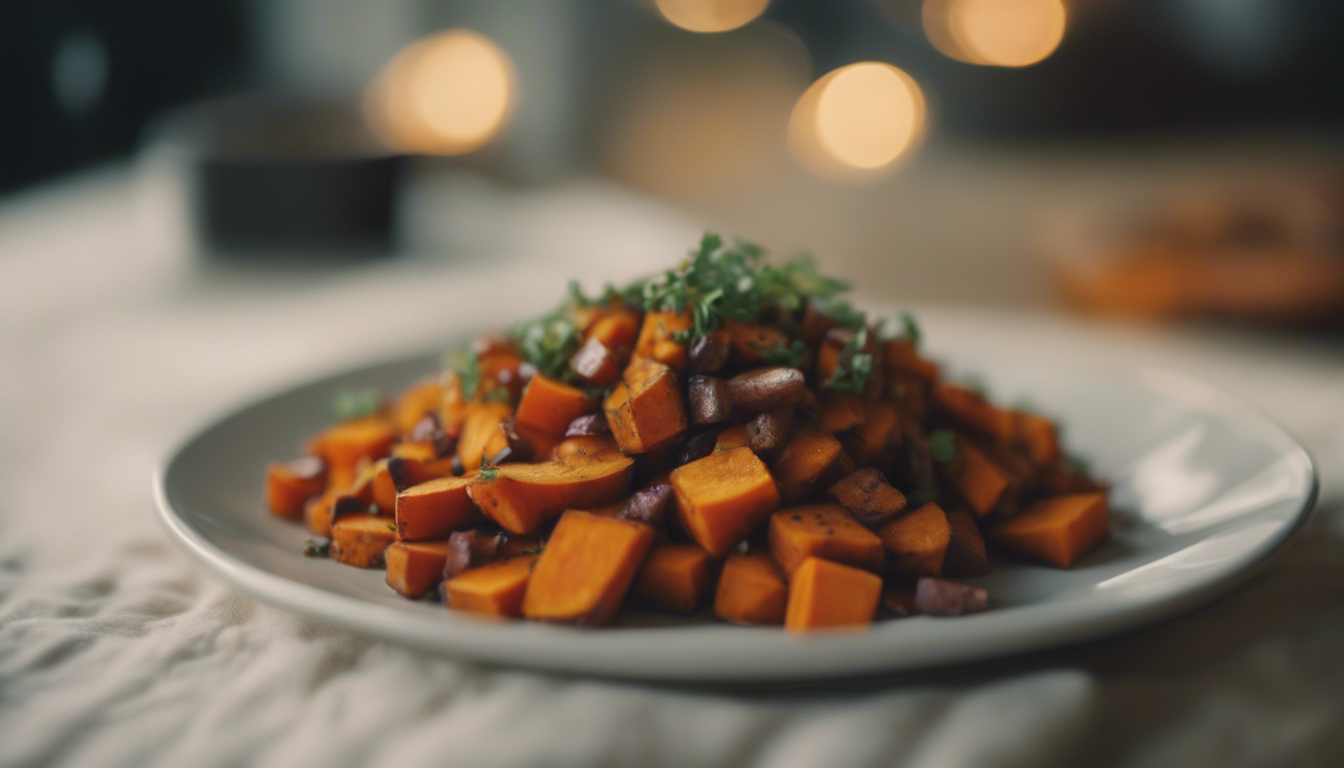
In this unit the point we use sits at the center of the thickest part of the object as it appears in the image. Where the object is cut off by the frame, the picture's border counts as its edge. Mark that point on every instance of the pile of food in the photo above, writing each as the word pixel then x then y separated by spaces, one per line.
pixel 729 435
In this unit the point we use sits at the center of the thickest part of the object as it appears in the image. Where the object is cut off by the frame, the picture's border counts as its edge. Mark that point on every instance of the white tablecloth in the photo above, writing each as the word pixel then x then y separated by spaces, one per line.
pixel 116 649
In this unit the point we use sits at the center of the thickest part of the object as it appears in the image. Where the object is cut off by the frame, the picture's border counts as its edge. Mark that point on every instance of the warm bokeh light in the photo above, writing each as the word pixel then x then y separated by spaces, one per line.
pixel 711 15
pixel 1001 33
pixel 857 120
pixel 448 94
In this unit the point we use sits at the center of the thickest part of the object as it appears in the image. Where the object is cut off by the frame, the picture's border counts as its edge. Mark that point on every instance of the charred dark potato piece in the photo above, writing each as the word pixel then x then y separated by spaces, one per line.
pixel 763 389
pixel 596 364
pixel 938 597
pixel 914 469
pixel 587 425
pixel 709 353
pixel 520 447
pixel 697 446
pixel 770 430
pixel 708 401
pixel 869 497
pixel 647 506
pixel 469 549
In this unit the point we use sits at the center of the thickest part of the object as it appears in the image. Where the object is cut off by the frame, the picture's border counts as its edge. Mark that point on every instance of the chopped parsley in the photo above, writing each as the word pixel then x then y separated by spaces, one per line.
pixel 943 445
pixel 792 355
pixel 910 330
pixel 463 363
pixel 317 548
pixel 351 404
pixel 548 342
pixel 489 471
pixel 855 366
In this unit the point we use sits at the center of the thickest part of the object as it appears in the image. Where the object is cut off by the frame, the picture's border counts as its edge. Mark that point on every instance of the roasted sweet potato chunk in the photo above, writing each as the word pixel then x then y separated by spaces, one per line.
pixel 1056 531
pixel 550 405
pixel 587 567
pixel 414 568
pixel 522 498
pixel 966 551
pixel 655 338
pixel 722 497
pixel 971 409
pixel 824 594
pixel 822 530
pixel 976 478
pixel 840 412
pixel 482 436
pixel 880 432
pixel 917 541
pixel 645 409
pixel 902 356
pixel 345 445
pixel 808 463
pixel 751 590
pixel 414 402
pixel 674 578
pixel 616 329
pixel 494 589
pixel 749 340
pixel 1037 435
pixel 436 508
pixel 359 540
pixel 585 447
pixel 869 497
pixel 290 485
pixel 732 437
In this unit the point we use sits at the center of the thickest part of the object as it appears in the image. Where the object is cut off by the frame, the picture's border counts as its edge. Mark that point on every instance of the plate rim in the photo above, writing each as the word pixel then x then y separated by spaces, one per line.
pixel 594 656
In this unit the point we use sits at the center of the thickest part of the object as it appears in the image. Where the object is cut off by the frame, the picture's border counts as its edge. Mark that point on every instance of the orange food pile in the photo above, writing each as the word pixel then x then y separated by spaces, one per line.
pixel 790 468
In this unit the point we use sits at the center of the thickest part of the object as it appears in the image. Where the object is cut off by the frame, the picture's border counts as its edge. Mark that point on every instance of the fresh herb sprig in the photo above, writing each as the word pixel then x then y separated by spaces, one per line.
pixel 943 445
pixel 351 404
pixel 548 342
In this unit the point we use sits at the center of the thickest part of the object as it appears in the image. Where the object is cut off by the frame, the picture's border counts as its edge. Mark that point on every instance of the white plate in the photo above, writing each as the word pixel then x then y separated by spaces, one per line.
pixel 1205 489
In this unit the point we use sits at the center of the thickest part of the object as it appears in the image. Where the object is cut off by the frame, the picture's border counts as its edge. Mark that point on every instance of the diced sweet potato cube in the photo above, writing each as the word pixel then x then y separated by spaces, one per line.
pixel 1057 530
pixel 977 479
pixel 499 368
pixel 585 447
pixel 587 567
pixel 722 497
pixel 616 330
pixel 880 431
pixel 809 462
pixel 902 356
pixel 673 578
pixel 291 484
pixel 869 497
pixel 825 594
pixel 645 409
pixel 359 540
pixel 415 567
pixel 917 541
pixel 733 437
pixel 317 512
pixel 966 551
pixel 522 498
pixel 748 339
pixel 550 405
pixel 751 590
pixel 435 508
pixel 481 433
pixel 840 412
pixel 494 589
pixel 822 530
pixel 655 338
pixel 414 402
pixel 973 410
pixel 345 445
pixel 1037 434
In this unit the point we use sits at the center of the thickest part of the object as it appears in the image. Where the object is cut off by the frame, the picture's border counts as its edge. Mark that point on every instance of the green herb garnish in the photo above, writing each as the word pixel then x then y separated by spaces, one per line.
pixel 463 363
pixel 943 445
pixel 351 404
pixel 792 355
pixel 1079 464
pixel 855 366
pixel 548 342
pixel 489 471
pixel 317 548
pixel 910 330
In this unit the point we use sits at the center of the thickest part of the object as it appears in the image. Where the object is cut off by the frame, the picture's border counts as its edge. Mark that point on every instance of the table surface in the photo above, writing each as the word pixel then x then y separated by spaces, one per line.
pixel 115 649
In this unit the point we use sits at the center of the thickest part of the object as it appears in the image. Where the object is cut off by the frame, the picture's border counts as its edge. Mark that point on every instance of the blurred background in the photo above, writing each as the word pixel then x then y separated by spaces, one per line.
pixel 1145 159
